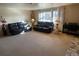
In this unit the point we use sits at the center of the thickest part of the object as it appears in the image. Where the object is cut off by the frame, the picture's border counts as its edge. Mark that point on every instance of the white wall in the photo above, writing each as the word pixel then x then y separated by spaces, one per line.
pixel 12 15
pixel 72 13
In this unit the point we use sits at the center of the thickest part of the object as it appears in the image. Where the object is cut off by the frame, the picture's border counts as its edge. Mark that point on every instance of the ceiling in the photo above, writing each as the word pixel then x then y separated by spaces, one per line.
pixel 31 6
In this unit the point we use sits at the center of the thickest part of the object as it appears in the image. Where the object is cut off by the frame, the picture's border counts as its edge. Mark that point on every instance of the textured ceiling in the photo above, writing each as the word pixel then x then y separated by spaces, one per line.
pixel 31 6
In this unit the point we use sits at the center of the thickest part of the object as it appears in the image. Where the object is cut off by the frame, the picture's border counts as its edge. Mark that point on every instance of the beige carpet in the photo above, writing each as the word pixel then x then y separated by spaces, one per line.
pixel 34 43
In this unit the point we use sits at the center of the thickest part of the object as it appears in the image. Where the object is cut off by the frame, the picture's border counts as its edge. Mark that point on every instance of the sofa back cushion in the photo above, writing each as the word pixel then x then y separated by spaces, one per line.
pixel 45 24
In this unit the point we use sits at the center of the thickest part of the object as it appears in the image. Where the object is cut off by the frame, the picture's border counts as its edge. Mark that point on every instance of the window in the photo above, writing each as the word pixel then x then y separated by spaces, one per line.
pixel 55 15
pixel 47 16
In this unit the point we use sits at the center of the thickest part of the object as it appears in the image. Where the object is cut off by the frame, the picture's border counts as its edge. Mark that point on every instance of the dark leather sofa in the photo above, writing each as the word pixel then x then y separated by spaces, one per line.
pixel 17 28
pixel 71 28
pixel 44 27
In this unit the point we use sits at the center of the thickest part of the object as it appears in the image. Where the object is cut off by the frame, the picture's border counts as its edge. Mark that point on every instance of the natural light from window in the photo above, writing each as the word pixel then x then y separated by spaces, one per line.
pixel 47 16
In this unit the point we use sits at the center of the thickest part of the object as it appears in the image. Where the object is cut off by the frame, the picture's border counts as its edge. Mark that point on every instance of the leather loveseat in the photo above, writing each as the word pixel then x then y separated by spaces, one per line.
pixel 44 27
pixel 17 28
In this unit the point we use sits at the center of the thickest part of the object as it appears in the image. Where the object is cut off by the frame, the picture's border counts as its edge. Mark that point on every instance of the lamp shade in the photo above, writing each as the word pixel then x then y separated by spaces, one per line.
pixel 33 20
pixel 3 21
pixel 57 21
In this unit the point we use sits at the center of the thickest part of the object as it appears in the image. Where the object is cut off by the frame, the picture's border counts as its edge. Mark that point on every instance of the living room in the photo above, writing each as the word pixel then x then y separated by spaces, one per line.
pixel 35 28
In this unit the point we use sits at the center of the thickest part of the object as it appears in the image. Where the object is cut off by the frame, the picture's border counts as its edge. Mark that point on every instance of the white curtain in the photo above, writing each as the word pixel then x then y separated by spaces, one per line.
pixel 61 17
pixel 45 15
